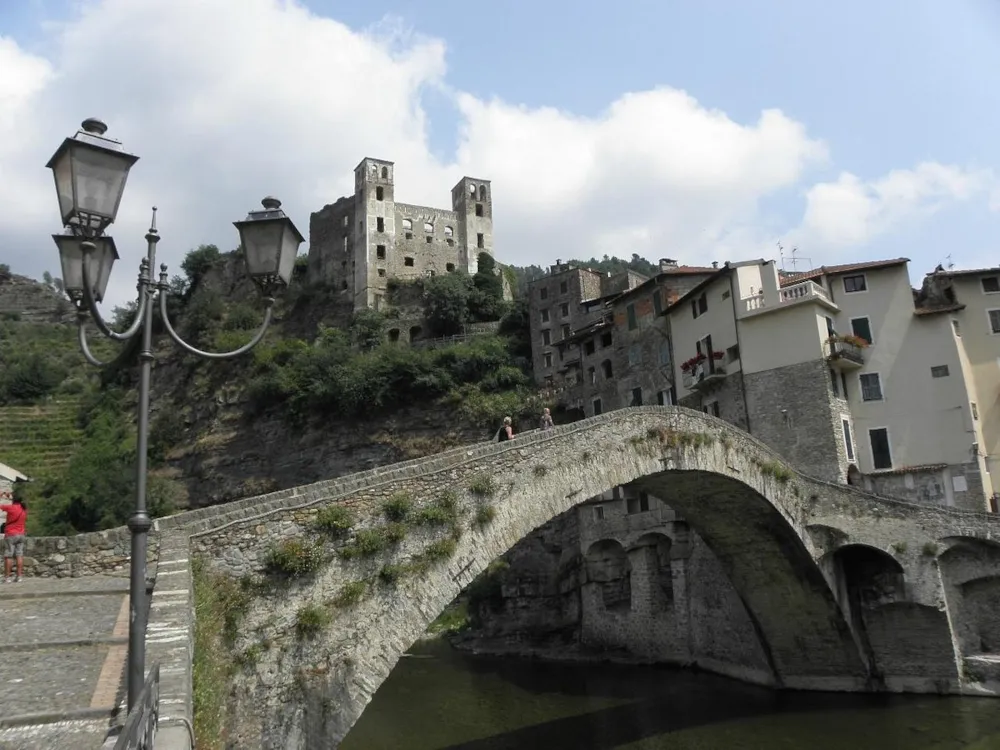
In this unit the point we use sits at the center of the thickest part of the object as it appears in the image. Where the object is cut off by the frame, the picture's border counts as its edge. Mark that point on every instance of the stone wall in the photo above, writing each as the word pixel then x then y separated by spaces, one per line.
pixel 32 301
pixel 97 553
pixel 930 486
pixel 793 410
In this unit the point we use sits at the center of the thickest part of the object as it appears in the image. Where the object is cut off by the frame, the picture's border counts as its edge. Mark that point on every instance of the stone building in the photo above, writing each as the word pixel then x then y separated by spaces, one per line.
pixel 842 373
pixel 360 242
pixel 568 299
pixel 624 357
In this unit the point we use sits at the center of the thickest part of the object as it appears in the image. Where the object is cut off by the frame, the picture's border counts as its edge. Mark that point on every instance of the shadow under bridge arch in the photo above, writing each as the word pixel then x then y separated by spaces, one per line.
pixel 808 642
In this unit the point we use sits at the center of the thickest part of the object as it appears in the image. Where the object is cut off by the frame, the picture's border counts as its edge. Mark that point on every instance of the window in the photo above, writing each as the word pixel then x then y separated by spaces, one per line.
pixel 843 384
pixel 881 455
pixel 546 337
pixel 606 368
pixel 378 193
pixel 834 385
pixel 479 209
pixel 428 239
pixel 451 242
pixel 699 306
pixel 407 261
pixel 565 331
pixel 665 398
pixel 633 323
pixel 479 240
pixel 385 173
pixel 939 371
pixel 598 509
pixel 848 440
pixel 994 320
pixel 428 227
pixel 733 352
pixel 589 347
pixel 545 315
pixel 597 406
pixel 638 504
pixel 665 354
pixel 657 302
pixel 636 397
pixel 548 359
pixel 856 283
pixel 482 192
pixel 712 407
pixel 345 243
pixel 345 222
pixel 472 190
pixel 449 267
pixel 956 327
pixel 563 287
pixel 448 231
pixel 381 272
pixel 991 284
pixel 543 293
pixel 862 328
pixel 634 355
pixel 975 411
pixel 606 340
pixel 592 376
pixel 564 310
pixel 409 235
pixel 380 252
pixel 829 325
pixel 871 387
pixel 407 224
pixel 429 273
pixel 379 224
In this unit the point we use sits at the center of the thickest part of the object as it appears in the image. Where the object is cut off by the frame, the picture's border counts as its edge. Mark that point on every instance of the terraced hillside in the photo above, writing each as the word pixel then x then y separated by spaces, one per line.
pixel 39 440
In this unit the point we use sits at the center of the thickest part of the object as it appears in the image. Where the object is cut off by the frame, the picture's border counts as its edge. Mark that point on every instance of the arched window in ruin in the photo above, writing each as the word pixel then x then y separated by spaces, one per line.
pixel 428 227
pixel 609 571
pixel 448 231
pixel 415 332
pixel 472 190
pixel 393 334
pixel 482 192
pixel 385 173
pixel 407 224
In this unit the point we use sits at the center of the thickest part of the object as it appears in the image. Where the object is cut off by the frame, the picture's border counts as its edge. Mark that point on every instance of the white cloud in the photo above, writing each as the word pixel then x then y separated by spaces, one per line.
pixel 851 212
pixel 226 101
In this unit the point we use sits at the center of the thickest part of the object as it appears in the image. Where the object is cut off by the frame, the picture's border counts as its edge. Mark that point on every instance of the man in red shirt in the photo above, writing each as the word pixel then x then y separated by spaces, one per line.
pixel 13 540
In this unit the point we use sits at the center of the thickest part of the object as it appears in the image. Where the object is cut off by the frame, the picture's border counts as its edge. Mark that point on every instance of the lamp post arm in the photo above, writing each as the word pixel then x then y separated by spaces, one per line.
pixel 81 323
pixel 144 293
pixel 268 313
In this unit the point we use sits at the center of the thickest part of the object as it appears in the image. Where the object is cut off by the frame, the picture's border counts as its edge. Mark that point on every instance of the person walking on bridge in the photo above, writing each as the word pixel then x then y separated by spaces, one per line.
pixel 506 431
pixel 13 541
pixel 547 423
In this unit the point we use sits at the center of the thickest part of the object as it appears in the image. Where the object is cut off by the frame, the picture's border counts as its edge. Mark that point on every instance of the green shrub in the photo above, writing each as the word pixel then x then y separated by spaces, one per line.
pixel 310 620
pixel 397 507
pixel 351 593
pixel 443 512
pixel 485 515
pixel 483 486
pixel 334 520
pixel 293 558
pixel 390 574
pixel 370 542
pixel 440 550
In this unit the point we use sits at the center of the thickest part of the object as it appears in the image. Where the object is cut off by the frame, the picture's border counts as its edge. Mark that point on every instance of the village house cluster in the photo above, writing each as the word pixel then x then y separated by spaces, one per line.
pixel 846 370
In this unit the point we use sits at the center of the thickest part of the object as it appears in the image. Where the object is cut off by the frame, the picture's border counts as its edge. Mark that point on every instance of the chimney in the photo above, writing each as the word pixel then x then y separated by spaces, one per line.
pixel 666 264
pixel 715 264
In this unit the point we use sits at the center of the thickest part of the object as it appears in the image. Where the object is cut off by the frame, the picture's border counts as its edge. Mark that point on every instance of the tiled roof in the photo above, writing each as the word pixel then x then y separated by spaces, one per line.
pixel 935 310
pixel 690 269
pixel 795 278
pixel 965 272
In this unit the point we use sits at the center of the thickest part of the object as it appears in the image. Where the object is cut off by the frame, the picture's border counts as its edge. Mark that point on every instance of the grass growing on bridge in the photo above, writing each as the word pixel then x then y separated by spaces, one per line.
pixel 334 520
pixel 293 558
pixel 220 603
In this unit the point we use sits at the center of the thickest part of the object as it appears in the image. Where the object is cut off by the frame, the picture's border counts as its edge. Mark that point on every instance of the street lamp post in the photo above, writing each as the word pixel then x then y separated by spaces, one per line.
pixel 90 171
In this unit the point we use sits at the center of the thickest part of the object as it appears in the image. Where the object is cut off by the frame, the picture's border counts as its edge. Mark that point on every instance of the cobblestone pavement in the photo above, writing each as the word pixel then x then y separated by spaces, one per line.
pixel 61 649
pixel 62 735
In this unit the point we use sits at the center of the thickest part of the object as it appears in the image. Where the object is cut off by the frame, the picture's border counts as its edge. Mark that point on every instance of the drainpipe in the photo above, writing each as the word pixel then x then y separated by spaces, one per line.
pixel 736 325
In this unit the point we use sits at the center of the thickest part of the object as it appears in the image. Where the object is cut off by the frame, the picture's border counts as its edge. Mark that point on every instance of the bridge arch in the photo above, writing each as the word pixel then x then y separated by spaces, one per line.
pixel 749 508
pixel 970 571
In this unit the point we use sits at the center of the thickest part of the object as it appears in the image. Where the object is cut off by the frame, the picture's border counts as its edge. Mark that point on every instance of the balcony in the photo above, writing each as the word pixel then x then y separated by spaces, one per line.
pixel 804 291
pixel 704 376
pixel 845 353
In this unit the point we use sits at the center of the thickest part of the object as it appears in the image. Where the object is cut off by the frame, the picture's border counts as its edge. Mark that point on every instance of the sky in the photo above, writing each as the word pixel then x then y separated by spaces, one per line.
pixel 699 130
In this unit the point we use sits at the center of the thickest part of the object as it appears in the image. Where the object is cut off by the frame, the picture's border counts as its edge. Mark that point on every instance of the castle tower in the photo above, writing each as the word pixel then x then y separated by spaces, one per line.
pixel 472 200
pixel 375 230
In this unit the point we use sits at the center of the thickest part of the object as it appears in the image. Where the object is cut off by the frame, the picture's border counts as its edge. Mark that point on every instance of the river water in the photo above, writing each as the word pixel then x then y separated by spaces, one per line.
pixel 438 698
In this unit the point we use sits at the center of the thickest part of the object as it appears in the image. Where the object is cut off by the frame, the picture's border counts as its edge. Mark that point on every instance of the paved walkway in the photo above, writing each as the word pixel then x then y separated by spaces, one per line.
pixel 63 644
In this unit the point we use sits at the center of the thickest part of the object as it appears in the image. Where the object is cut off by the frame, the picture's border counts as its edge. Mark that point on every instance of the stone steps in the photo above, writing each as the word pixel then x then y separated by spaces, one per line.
pixel 63 645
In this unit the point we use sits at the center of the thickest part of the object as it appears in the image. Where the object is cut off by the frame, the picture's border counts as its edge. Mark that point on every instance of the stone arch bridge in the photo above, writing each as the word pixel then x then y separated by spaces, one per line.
pixel 845 590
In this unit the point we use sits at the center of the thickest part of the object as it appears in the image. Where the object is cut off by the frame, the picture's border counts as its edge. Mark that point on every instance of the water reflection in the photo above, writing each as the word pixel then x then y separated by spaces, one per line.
pixel 438 699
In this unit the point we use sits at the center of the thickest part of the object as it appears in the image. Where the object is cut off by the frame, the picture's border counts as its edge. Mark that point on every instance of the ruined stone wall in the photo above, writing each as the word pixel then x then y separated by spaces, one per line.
pixel 331 245
pixel 31 301
pixel 930 486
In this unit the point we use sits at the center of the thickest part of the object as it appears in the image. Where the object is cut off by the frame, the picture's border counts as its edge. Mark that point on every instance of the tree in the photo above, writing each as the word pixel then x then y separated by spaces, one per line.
pixel 367 329
pixel 198 262
pixel 446 303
